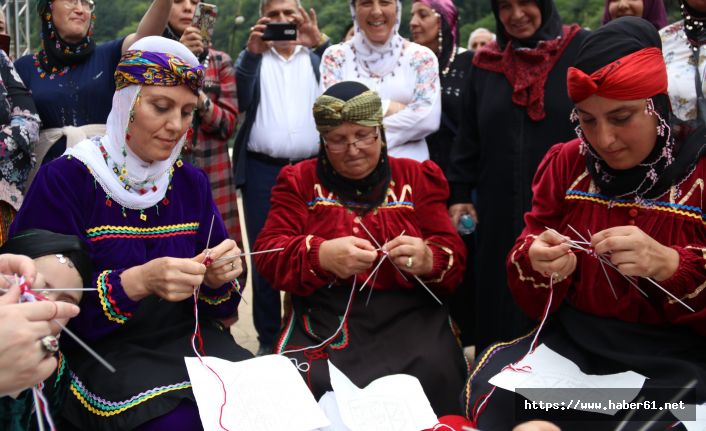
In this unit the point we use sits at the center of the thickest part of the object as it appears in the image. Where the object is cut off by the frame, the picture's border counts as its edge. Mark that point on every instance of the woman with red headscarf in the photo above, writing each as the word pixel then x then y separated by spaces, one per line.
pixel 614 247
pixel 514 108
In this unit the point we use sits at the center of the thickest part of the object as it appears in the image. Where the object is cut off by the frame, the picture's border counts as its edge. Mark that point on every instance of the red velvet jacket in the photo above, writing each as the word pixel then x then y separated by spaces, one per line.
pixel 564 194
pixel 304 214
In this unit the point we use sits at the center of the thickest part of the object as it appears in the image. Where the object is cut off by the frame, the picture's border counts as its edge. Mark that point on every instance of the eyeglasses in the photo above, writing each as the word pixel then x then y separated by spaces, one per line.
pixel 88 5
pixel 341 146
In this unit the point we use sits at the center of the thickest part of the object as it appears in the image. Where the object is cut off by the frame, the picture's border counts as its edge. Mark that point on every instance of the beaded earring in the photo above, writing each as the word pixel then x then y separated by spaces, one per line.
pixel 440 36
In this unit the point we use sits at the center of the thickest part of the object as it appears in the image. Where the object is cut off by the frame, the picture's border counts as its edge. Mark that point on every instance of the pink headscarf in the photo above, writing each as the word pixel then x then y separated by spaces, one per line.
pixel 652 10
pixel 449 13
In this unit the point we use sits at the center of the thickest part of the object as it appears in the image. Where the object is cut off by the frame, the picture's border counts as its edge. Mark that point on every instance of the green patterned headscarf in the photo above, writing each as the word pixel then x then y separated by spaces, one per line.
pixel 364 109
pixel 352 102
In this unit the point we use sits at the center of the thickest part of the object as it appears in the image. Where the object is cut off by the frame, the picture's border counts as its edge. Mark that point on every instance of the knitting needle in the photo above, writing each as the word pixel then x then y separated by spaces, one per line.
pixel 82 344
pixel 38 410
pixel 51 289
pixel 235 256
pixel 92 352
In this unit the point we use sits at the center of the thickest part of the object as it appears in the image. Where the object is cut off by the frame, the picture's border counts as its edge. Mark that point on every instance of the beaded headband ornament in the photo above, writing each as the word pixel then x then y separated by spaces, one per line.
pixel 156 68
pixel 364 109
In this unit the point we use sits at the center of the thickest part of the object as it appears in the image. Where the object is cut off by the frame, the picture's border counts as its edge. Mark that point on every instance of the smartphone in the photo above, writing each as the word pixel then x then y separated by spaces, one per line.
pixel 205 19
pixel 280 31
pixel 5 43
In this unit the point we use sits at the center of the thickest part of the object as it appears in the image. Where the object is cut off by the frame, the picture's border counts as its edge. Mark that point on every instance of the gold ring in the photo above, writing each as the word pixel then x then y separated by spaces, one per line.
pixel 409 262
pixel 232 266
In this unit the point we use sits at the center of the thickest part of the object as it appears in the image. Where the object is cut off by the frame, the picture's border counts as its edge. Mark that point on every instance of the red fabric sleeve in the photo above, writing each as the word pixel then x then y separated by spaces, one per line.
pixel 530 288
pixel 438 231
pixel 296 269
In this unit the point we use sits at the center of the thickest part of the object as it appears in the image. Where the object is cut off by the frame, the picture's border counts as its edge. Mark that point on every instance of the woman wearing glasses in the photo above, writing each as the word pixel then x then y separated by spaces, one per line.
pixel 356 214
pixel 71 77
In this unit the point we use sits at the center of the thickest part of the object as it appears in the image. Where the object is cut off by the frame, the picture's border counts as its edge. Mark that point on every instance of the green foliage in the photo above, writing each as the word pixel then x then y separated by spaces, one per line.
pixel 117 18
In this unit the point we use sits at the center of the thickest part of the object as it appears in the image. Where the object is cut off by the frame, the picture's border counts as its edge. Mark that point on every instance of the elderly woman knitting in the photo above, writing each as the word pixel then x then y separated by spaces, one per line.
pixel 355 218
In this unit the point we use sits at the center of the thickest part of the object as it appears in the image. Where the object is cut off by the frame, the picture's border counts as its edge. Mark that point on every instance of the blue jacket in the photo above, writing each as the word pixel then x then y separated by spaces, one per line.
pixel 247 78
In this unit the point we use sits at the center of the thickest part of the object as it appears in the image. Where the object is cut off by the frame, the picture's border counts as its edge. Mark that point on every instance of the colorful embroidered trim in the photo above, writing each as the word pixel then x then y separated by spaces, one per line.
pixel 61 367
pixel 110 308
pixel 321 201
pixel 344 336
pixel 487 355
pixel 101 407
pixel 108 232
pixel 520 273
pixel 286 334
pixel 218 300
pixel 684 210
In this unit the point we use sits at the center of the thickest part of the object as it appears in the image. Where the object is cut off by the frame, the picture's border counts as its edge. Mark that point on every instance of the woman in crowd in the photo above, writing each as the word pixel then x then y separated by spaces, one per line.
pixel 355 214
pixel 19 133
pixel 652 10
pixel 514 108
pixel 71 77
pixel 216 114
pixel 632 189
pixel 62 261
pixel 434 24
pixel 154 237
pixel 403 73
pixel 683 45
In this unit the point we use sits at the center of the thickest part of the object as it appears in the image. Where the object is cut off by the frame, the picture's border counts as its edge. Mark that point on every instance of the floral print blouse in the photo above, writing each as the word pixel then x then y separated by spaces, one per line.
pixel 680 69
pixel 19 132
pixel 414 82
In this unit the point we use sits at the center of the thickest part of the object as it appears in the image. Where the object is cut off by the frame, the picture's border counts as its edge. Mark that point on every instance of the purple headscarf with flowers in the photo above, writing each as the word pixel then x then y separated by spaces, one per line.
pixel 157 68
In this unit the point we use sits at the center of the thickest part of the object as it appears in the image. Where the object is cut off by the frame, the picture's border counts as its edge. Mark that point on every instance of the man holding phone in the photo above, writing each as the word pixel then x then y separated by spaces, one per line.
pixel 277 78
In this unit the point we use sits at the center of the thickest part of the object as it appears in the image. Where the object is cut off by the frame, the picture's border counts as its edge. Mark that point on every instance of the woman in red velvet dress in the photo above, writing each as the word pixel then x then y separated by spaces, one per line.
pixel 632 186
pixel 351 213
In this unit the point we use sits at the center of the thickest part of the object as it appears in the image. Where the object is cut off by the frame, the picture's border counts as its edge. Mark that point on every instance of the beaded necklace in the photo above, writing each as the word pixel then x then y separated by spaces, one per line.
pixel 366 67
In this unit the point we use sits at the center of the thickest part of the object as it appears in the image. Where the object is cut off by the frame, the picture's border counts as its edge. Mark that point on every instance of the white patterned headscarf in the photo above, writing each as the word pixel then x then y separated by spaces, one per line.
pixel 377 60
pixel 156 174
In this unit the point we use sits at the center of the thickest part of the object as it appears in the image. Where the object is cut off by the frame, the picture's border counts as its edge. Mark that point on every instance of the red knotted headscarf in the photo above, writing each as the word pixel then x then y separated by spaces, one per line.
pixel 639 75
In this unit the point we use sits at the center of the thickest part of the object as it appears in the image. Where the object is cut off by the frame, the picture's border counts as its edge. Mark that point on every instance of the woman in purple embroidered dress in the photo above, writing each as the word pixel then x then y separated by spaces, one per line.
pixel 147 218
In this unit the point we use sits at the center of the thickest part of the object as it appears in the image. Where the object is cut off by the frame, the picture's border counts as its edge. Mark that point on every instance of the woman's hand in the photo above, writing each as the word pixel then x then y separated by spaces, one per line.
pixel 219 273
pixel 552 256
pixel 255 44
pixel 347 256
pixel 410 254
pixel 192 39
pixel 457 210
pixel 23 360
pixel 635 253
pixel 170 278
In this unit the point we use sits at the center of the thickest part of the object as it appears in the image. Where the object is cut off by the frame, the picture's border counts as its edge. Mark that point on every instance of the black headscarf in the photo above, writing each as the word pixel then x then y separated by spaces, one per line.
pixel 694 24
pixel 551 27
pixel 38 242
pixel 364 194
pixel 657 173
pixel 57 54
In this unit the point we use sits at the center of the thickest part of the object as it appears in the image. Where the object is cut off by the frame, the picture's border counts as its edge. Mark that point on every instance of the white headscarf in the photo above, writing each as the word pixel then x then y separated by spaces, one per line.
pixel 377 60
pixel 157 173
